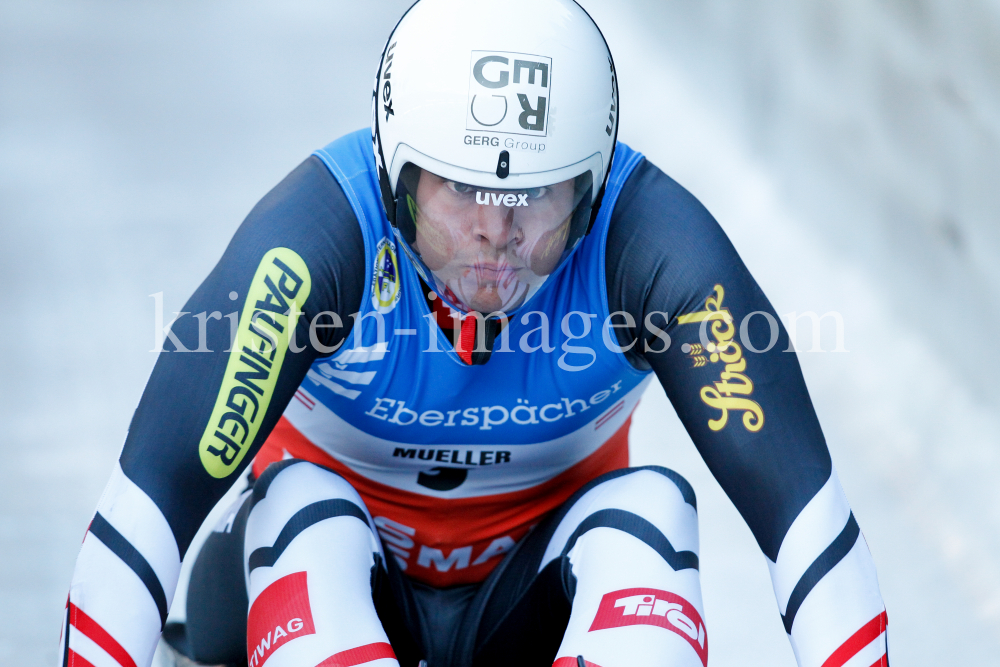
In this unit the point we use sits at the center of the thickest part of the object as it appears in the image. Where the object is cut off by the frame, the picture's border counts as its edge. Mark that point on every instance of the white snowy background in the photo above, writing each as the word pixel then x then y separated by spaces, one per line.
pixel 851 150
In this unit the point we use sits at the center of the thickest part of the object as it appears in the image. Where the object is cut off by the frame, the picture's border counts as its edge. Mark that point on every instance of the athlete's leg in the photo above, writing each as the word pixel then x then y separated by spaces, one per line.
pixel 311 558
pixel 632 543
pixel 613 577
pixel 215 629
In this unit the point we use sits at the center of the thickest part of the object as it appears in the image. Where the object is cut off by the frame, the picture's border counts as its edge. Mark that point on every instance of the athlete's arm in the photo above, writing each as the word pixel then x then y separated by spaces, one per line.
pixel 205 412
pixel 670 265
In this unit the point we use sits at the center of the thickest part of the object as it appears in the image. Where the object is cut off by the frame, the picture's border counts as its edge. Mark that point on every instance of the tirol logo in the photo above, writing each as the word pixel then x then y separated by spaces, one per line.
pixel 385 277
pixel 280 285
pixel 509 92
pixel 280 614
pixel 649 606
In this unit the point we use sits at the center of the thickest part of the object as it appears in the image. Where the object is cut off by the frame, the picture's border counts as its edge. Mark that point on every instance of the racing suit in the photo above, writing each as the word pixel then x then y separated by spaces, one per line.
pixel 498 488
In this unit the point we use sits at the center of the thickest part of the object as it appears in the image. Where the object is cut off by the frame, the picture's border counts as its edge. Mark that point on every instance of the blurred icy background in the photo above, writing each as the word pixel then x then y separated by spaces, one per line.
pixel 851 149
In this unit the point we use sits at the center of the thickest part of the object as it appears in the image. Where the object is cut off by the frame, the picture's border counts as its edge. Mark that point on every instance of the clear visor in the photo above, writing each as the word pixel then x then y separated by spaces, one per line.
pixel 489 250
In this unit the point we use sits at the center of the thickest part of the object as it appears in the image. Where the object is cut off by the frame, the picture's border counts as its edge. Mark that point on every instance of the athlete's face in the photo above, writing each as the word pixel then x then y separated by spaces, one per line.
pixel 489 246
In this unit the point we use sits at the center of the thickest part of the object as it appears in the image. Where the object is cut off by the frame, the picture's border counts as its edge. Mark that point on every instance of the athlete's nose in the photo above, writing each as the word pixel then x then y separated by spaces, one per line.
pixel 494 225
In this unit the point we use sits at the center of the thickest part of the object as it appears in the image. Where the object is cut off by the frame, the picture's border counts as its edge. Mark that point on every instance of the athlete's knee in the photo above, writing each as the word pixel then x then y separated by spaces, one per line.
pixel 290 485
pixel 631 541
pixel 303 475
pixel 310 557
pixel 655 506
pixel 291 497
pixel 683 487
pixel 655 493
pixel 655 484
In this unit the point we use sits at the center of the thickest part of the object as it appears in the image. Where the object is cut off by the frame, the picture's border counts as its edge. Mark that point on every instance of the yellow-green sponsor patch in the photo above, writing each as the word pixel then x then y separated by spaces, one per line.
pixel 281 280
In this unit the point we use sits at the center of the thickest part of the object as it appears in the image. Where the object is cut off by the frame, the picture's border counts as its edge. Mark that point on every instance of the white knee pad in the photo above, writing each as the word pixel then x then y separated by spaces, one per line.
pixel 308 557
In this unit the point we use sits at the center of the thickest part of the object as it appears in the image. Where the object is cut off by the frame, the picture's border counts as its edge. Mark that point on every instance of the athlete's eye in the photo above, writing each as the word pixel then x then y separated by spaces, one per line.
pixel 461 188
pixel 535 193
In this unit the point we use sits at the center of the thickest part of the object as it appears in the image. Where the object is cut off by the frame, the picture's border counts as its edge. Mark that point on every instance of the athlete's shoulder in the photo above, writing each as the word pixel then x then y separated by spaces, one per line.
pixel 657 219
pixel 308 208
pixel 349 154
pixel 653 196
pixel 308 214
pixel 664 250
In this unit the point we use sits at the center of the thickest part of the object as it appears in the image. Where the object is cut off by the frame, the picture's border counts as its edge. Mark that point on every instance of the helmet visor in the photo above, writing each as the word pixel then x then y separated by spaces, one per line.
pixel 489 250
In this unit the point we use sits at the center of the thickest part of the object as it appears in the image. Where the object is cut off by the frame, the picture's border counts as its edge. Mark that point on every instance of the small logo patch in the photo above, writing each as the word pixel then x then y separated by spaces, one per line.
pixel 385 277
pixel 509 93
pixel 280 614
pixel 649 606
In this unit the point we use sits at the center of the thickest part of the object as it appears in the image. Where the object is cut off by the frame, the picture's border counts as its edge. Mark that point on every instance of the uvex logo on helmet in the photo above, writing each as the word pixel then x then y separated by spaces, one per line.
pixel 387 83
pixel 509 93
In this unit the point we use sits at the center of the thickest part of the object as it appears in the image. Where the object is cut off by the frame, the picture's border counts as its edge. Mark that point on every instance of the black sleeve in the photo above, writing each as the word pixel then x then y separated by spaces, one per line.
pixel 748 413
pixel 308 214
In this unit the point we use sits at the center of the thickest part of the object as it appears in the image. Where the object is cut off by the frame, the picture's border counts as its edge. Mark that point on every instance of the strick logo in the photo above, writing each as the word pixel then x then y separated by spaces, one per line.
pixel 509 92
pixel 727 395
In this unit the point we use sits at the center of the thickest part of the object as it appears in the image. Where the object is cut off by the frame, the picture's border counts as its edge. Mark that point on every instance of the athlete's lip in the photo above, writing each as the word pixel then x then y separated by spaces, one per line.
pixel 493 271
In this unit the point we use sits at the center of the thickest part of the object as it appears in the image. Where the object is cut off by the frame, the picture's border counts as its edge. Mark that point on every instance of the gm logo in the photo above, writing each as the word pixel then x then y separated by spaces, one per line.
pixel 509 92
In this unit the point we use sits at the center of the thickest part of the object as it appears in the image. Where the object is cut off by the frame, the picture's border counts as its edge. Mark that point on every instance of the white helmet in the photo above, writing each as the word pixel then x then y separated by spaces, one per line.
pixel 494 124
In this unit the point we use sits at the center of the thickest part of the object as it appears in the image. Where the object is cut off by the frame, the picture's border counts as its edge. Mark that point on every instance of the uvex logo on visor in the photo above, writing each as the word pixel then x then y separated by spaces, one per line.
pixel 509 92
pixel 501 199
